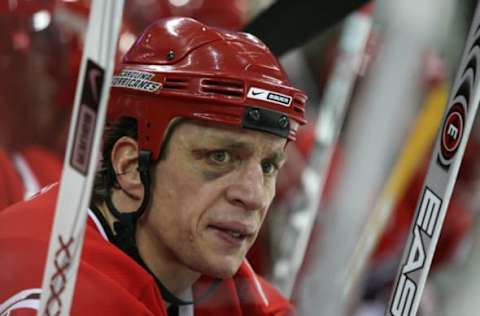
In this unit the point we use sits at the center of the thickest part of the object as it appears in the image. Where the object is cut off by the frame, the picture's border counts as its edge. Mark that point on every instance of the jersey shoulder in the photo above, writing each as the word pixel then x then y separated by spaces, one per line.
pixel 31 218
pixel 45 165
pixel 11 189
pixel 246 293
pixel 106 276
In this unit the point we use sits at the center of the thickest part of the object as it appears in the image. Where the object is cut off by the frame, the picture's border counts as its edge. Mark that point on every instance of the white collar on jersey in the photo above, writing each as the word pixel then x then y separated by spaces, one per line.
pixel 28 178
pixel 97 223
pixel 186 310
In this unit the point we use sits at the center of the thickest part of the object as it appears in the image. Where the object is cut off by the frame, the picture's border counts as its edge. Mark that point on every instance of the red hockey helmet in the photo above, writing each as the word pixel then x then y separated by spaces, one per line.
pixel 182 68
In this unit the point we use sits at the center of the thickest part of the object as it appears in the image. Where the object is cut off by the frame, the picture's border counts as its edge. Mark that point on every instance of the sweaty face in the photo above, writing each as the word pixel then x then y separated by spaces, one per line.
pixel 210 196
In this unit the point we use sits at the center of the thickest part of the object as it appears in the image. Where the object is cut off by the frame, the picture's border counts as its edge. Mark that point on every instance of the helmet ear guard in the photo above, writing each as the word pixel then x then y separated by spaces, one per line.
pixel 182 68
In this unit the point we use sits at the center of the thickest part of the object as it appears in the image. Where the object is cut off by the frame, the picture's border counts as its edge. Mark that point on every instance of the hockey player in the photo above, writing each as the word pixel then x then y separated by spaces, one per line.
pixel 35 95
pixel 199 119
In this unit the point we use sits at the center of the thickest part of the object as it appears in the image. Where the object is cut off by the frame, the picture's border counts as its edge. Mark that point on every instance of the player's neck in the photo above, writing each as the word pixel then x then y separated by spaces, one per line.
pixel 161 262
pixel 164 264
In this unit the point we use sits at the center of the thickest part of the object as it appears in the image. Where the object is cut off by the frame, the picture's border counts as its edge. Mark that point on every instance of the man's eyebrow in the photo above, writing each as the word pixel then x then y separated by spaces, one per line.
pixel 278 156
pixel 233 144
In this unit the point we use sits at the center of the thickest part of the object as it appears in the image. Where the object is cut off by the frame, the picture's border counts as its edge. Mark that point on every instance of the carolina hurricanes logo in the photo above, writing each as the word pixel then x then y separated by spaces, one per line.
pixel 454 124
pixel 25 303
pixel 452 131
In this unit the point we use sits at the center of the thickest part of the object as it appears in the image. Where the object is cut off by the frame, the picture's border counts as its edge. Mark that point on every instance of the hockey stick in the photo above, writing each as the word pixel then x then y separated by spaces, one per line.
pixel 309 17
pixel 438 186
pixel 79 167
pixel 329 123
pixel 415 149
pixel 377 126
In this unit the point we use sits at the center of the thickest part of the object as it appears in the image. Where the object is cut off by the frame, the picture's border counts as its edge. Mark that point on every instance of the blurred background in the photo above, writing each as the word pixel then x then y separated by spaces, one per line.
pixel 378 75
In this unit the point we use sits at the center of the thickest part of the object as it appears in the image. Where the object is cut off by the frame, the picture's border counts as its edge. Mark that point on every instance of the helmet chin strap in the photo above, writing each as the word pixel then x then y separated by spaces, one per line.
pixel 125 231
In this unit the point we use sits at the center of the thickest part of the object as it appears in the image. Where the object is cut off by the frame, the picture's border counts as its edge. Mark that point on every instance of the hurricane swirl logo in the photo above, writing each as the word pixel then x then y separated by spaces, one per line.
pixel 452 131
pixel 454 124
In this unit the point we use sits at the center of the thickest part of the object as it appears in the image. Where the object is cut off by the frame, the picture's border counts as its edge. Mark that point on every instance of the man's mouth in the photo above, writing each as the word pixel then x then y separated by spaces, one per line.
pixel 233 233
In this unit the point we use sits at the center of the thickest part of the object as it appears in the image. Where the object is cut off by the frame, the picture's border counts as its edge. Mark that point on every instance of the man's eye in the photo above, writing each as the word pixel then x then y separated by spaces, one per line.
pixel 220 156
pixel 269 167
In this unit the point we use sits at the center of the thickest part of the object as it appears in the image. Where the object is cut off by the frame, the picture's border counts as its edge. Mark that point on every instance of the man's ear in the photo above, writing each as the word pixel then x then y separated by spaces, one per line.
pixel 124 159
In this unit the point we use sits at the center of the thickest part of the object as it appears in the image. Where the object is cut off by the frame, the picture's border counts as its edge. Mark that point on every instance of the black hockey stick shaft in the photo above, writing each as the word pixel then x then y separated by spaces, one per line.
pixel 288 24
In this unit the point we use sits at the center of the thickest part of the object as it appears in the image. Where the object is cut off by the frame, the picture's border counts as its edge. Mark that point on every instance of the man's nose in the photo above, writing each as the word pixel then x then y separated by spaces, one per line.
pixel 248 188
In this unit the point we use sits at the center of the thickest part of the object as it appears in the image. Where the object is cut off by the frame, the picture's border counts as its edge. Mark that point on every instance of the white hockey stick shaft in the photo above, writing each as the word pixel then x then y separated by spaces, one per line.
pixel 438 186
pixel 329 123
pixel 81 157
pixel 416 148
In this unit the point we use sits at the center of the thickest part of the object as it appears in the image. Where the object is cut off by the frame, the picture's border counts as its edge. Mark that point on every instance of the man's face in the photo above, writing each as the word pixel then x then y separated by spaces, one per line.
pixel 210 196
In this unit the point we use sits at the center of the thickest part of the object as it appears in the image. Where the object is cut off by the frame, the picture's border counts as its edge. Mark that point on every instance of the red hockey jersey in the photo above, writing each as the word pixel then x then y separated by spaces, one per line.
pixel 108 282
pixel 23 173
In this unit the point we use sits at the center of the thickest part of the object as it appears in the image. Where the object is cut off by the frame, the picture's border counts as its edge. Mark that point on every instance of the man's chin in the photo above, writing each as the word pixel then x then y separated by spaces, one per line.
pixel 223 269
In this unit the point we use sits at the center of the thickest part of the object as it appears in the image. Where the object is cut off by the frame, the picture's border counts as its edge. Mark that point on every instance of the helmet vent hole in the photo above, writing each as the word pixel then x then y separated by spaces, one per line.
pixel 175 83
pixel 298 105
pixel 227 88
